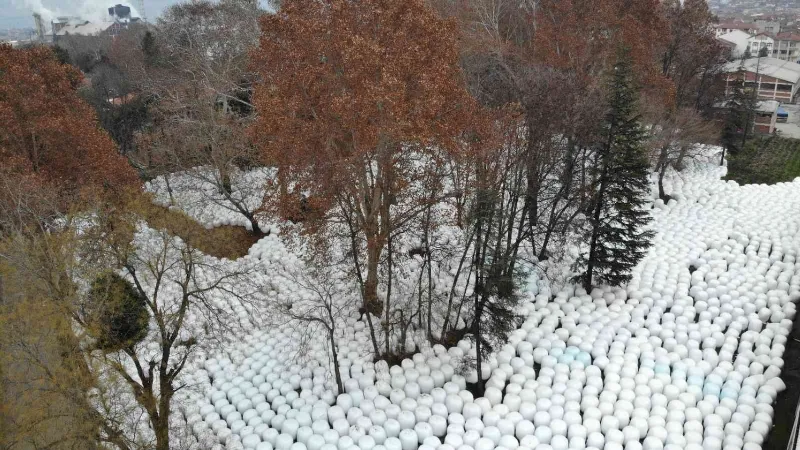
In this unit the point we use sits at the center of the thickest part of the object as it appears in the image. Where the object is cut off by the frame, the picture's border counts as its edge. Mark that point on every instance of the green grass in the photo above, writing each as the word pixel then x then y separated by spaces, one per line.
pixel 766 160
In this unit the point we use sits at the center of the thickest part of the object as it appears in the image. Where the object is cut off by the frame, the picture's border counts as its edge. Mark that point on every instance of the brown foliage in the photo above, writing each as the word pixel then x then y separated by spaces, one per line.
pixel 345 89
pixel 48 130
pixel 343 80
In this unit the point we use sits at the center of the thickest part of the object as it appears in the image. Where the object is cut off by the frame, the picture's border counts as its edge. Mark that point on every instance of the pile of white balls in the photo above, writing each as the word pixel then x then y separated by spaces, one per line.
pixel 687 356
pixel 194 194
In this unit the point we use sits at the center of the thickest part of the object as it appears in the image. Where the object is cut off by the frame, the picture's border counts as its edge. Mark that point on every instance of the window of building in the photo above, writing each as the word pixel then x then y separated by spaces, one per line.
pixel 785 87
pixel 768 86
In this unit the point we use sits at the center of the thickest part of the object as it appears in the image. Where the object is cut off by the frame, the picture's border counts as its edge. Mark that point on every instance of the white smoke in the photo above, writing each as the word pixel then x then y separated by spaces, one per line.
pixel 97 10
pixel 36 6
pixel 91 10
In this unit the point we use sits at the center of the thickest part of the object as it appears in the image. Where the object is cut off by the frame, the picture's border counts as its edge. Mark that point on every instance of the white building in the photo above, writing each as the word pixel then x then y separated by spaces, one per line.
pixel 740 39
pixel 761 41
pixel 787 47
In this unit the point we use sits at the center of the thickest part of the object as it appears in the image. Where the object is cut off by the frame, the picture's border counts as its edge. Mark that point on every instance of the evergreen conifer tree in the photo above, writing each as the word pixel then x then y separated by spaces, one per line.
pixel 618 235
pixel 738 122
pixel 150 49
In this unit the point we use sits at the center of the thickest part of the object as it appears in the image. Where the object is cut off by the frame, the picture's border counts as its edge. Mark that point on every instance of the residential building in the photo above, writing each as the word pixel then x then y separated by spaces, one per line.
pixel 787 47
pixel 773 79
pixel 761 41
pixel 768 26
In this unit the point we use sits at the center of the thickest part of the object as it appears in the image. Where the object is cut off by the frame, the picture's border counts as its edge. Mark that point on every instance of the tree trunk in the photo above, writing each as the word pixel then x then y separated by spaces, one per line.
pixel 681 155
pixel 476 325
pixel 388 308
pixel 661 194
pixel 169 189
pixel 254 224
pixel 532 188
pixel 337 373
pixel 662 170
pixel 162 433
pixel 598 208
pixel 159 416
pixel 371 303
pixel 357 267
pixel 453 286
pixel 225 180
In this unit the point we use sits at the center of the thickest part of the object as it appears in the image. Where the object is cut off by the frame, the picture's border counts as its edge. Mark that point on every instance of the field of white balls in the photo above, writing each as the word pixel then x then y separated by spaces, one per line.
pixel 687 356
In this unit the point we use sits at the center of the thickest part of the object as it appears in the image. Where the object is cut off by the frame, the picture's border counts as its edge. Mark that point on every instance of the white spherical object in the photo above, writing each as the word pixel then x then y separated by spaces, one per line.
pixel 251 441
pixel 283 441
pixel 494 395
pixel 484 444
pixel 408 439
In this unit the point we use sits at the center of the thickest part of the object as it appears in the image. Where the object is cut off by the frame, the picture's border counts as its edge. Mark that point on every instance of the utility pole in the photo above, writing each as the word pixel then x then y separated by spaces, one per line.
pixel 140 8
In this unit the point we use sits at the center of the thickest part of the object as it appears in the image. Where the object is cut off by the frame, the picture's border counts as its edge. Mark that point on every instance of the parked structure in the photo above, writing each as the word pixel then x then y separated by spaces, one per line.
pixel 766 116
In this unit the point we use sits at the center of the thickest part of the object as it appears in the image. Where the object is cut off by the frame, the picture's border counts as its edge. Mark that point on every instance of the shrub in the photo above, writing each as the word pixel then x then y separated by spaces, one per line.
pixel 116 313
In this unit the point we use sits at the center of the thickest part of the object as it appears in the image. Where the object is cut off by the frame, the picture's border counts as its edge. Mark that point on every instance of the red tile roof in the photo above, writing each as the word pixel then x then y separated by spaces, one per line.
pixel 736 25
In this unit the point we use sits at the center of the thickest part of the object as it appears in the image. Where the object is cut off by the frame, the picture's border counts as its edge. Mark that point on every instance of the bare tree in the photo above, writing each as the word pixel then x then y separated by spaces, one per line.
pixel 176 281
pixel 195 65
pixel 320 308
pixel 674 137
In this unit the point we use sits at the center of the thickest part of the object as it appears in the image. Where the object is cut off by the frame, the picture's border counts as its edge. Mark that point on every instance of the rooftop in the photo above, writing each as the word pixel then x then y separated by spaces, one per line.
pixel 736 25
pixel 768 106
pixel 771 67
pixel 84 29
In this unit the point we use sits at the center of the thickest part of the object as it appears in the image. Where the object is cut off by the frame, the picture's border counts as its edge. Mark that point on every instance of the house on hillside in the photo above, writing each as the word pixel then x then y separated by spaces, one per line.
pixel 734 25
pixel 761 41
pixel 768 26
pixel 772 78
pixel 787 47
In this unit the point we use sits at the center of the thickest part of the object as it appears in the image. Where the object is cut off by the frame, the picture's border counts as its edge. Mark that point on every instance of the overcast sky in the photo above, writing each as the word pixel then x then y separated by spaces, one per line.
pixel 17 13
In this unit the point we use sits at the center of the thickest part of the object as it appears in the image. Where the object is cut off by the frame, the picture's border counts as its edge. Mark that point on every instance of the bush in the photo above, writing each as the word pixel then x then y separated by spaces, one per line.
pixel 116 313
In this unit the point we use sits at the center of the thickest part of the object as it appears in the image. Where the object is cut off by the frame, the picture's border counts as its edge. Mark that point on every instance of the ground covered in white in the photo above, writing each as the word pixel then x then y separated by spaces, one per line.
pixel 687 356
pixel 196 193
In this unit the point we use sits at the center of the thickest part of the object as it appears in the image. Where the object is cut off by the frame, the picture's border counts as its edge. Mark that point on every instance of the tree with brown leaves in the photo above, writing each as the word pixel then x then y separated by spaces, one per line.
pixel 48 130
pixel 347 91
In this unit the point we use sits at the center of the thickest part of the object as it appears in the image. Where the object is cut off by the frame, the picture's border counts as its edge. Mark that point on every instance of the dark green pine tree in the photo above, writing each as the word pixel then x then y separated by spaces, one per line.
pixel 737 124
pixel 618 235
pixel 150 49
